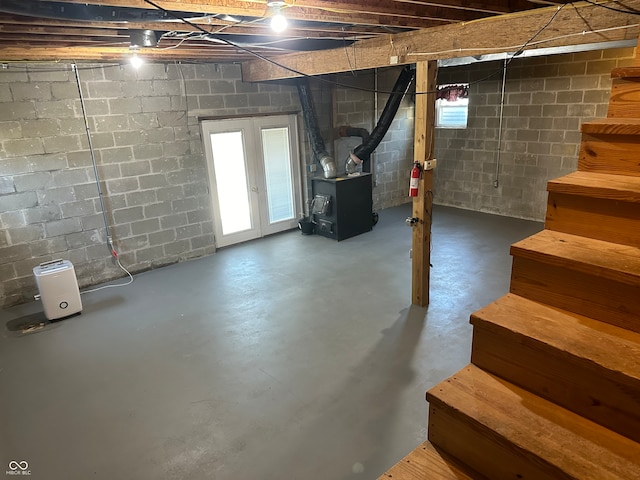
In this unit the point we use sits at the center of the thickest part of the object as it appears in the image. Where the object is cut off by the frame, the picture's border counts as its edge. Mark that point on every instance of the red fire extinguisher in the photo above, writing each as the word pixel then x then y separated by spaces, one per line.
pixel 415 179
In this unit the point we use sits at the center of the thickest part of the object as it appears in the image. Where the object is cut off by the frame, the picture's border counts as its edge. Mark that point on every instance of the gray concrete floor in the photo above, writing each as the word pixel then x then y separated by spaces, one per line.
pixel 291 357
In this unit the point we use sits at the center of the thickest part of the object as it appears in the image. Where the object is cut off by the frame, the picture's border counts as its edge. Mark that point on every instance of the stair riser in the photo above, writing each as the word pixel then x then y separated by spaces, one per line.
pixel 602 299
pixel 609 220
pixel 614 154
pixel 483 449
pixel 625 98
pixel 605 397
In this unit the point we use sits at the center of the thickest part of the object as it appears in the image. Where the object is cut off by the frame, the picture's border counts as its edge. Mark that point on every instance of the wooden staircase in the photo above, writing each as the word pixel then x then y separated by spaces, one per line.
pixel 553 388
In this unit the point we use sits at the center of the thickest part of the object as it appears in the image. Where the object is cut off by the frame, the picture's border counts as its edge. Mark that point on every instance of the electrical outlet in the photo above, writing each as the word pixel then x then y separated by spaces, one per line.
pixel 430 164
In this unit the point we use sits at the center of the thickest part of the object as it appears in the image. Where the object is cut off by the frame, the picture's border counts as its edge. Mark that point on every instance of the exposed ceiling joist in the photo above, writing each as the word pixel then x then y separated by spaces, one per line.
pixel 571 26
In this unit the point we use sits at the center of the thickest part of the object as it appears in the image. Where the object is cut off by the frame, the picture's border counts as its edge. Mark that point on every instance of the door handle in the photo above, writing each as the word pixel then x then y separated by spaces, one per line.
pixel 254 189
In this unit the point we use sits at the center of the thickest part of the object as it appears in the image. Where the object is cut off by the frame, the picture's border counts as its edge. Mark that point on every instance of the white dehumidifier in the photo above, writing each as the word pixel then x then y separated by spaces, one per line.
pixel 58 289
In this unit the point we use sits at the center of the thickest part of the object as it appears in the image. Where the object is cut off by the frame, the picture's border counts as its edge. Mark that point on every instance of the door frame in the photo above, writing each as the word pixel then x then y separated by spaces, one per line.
pixel 251 128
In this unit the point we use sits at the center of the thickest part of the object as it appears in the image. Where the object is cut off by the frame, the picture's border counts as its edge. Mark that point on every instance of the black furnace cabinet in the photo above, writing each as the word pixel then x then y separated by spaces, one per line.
pixel 349 212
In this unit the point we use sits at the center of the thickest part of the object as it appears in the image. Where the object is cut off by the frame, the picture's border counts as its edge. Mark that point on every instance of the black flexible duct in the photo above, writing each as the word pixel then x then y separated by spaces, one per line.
pixel 317 143
pixel 363 151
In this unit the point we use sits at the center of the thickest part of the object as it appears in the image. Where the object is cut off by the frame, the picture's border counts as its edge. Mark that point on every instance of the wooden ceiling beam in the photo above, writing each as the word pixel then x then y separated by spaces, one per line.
pixel 253 8
pixel 490 35
pixel 212 54
pixel 384 12
pixel 18 25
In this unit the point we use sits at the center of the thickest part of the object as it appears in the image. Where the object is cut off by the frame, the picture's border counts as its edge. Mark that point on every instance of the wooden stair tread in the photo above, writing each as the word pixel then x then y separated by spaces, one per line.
pixel 600 185
pixel 553 435
pixel 612 126
pixel 573 334
pixel 605 259
pixel 426 462
pixel 626 72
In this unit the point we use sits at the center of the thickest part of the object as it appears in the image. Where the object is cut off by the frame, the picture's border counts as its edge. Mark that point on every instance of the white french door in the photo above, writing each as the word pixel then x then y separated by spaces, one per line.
pixel 254 175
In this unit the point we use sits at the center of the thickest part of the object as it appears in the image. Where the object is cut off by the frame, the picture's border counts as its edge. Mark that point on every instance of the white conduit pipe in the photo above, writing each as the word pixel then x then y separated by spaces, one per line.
pixel 93 160
pixel 496 182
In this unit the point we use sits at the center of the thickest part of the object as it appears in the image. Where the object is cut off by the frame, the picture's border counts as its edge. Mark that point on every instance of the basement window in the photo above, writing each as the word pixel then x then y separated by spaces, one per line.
pixel 452 105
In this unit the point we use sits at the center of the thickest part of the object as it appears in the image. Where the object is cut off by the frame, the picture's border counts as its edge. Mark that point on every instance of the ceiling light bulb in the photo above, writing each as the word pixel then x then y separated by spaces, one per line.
pixel 136 61
pixel 278 21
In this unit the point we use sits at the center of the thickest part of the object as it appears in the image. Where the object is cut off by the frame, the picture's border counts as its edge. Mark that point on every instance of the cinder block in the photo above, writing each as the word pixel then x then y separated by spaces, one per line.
pixel 125 105
pixel 79 208
pixel 177 247
pixel 128 215
pixel 156 104
pixel 18 201
pixel 164 165
pixel 106 89
pixel 122 185
pixel 159 209
pixel 117 155
pixel 64 91
pixel 14 253
pixel 145 226
pixel 173 221
pixel 21 147
pixel 7 185
pixel 146 152
pixel 55 109
pixel 61 143
pixel 204 241
pixel 43 127
pixel 165 87
pixel 162 237
pixel 26 234
pixel 144 121
pixel 184 204
pixel 152 181
pixel 63 227
pixel 95 107
pixel 72 176
pixel 175 149
pixel 132 169
pixel 31 91
pixel 188 231
pixel 10 130
pixel 33 181
pixel 98 140
pixel 134 89
pixel 15 218
pixel 14 110
pixel 198 87
pixel 236 101
pixel 128 138
pixel 172 119
pixel 152 71
pixel 160 135
pixel 111 123
pixel 93 222
pixel 143 197
pixel 149 254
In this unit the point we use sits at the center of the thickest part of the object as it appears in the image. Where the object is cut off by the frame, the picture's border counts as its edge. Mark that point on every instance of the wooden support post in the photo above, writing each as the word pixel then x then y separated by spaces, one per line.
pixel 424 139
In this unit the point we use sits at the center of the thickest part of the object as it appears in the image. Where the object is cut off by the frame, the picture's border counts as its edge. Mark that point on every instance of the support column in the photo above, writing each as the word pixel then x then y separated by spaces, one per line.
pixel 424 139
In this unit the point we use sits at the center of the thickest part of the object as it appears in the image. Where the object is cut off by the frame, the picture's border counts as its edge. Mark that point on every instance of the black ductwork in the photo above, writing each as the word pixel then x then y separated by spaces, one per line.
pixel 362 153
pixel 317 143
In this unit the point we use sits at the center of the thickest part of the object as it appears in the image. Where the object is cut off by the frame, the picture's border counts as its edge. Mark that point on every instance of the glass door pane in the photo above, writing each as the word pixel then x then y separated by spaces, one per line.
pixel 278 175
pixel 231 181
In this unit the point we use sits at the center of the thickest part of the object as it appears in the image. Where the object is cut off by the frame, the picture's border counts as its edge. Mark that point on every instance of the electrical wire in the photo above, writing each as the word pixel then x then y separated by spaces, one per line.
pixel 632 12
pixel 128 282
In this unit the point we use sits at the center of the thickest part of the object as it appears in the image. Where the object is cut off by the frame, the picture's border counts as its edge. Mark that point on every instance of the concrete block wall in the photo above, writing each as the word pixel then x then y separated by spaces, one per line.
pixel 145 132
pixel 546 101
pixel 393 158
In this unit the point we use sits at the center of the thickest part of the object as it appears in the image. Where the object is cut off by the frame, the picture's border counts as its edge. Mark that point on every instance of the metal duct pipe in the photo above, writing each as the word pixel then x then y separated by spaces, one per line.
pixel 362 152
pixel 317 143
